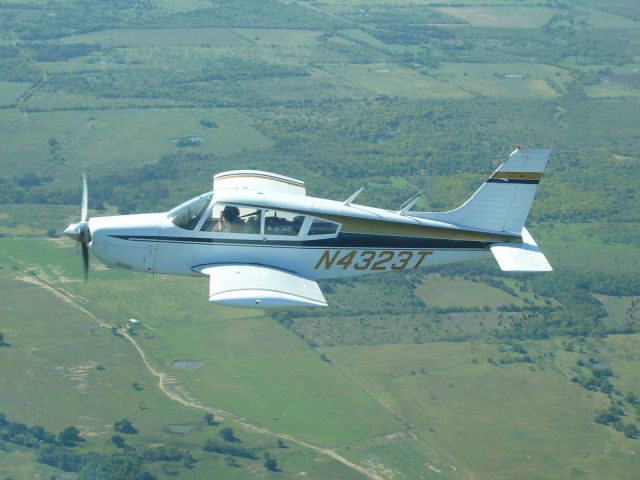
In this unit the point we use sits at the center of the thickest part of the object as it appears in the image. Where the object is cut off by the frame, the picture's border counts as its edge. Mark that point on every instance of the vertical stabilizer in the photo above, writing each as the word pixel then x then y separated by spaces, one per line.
pixel 503 202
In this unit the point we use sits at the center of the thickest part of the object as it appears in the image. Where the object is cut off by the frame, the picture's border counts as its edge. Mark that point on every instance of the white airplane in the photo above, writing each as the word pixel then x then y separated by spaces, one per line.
pixel 263 242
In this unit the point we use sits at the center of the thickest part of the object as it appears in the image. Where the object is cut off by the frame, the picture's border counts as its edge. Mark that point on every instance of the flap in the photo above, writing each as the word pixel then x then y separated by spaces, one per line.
pixel 521 257
pixel 254 286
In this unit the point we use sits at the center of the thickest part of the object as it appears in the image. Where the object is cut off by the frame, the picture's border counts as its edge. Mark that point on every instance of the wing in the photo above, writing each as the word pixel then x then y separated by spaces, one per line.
pixel 254 286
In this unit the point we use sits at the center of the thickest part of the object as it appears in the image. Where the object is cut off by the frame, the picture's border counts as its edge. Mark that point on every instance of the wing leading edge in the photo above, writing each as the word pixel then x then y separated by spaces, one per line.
pixel 254 286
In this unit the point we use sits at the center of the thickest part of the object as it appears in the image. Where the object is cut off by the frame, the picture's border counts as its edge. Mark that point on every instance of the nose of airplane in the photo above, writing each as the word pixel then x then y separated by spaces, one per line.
pixel 79 232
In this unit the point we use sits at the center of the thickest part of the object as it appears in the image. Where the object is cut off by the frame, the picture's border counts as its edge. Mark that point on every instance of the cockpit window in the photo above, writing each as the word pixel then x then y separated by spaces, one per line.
pixel 277 222
pixel 187 214
pixel 233 219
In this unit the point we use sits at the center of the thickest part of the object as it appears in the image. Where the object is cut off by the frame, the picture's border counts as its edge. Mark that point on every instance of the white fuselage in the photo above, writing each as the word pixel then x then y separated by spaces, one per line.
pixel 152 243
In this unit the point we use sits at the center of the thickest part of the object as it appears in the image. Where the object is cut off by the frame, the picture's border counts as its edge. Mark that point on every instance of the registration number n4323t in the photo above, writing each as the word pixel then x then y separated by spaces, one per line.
pixel 371 259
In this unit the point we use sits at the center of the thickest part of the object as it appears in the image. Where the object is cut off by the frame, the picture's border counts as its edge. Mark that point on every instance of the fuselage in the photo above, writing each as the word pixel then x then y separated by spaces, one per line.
pixel 312 237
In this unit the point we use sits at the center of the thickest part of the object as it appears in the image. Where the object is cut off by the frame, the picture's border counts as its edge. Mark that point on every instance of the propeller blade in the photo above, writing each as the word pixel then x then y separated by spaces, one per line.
pixel 85 260
pixel 85 199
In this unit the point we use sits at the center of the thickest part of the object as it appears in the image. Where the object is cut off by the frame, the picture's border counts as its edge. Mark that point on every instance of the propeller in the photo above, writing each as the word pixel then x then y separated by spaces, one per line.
pixel 80 231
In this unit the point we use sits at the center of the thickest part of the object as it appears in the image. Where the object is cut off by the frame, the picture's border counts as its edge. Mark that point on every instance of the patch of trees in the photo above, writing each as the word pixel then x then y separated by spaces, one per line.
pixel 410 34
pixel 70 437
pixel 57 451
pixel 210 419
pixel 271 463
pixel 226 449
pixel 250 13
pixel 23 435
pixel 125 426
pixel 71 17
pixel 205 122
pixel 94 465
pixel 49 52
pixel 228 435
pixel 613 416
pixel 16 68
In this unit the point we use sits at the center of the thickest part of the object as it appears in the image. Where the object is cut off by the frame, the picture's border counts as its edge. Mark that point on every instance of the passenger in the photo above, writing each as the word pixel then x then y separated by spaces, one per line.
pixel 230 220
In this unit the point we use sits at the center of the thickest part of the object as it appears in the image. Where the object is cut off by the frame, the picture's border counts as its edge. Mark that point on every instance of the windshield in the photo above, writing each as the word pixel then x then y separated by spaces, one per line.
pixel 187 214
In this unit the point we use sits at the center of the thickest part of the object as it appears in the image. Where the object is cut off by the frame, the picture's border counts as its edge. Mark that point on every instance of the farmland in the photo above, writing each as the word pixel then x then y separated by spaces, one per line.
pixel 463 372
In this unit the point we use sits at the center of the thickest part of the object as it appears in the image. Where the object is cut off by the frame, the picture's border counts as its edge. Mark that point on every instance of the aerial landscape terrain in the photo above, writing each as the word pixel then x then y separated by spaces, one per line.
pixel 457 372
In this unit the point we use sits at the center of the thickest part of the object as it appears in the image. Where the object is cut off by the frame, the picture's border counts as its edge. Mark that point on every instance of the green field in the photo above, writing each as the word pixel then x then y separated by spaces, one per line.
pixel 443 292
pixel 101 141
pixel 453 403
pixel 569 245
pixel 174 37
pixel 10 91
pixel 394 80
pixel 524 17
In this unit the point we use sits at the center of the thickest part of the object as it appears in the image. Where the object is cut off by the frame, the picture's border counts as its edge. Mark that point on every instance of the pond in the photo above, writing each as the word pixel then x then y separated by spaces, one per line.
pixel 187 364
pixel 182 428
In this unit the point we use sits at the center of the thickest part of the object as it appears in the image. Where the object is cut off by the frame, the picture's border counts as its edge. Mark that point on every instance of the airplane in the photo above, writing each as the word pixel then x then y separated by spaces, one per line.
pixel 263 242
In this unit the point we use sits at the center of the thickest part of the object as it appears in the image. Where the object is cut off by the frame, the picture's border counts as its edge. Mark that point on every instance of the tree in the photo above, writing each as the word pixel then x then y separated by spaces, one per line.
pixel 118 441
pixel 125 426
pixel 228 435
pixel 630 431
pixel 271 463
pixel 210 419
pixel 70 437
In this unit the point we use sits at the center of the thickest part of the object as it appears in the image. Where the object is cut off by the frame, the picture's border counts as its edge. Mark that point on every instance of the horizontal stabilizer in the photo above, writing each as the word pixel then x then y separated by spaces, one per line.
pixel 521 257
pixel 255 286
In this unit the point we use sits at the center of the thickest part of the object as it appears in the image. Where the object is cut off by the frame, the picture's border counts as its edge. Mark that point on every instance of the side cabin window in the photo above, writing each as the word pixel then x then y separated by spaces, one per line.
pixel 322 227
pixel 233 219
pixel 277 222
pixel 187 214
pixel 238 219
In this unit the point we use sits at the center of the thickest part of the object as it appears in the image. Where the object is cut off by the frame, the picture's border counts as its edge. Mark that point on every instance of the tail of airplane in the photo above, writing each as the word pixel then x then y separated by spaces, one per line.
pixel 502 204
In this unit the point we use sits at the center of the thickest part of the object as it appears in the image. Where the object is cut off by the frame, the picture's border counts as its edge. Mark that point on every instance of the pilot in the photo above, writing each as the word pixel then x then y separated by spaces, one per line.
pixel 229 217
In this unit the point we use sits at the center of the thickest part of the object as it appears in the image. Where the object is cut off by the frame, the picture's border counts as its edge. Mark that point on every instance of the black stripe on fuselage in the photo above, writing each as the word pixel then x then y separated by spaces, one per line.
pixel 513 180
pixel 343 240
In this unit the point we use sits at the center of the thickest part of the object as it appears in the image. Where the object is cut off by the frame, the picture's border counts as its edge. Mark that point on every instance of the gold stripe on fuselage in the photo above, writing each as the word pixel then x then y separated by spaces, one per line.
pixel 384 227
pixel 517 175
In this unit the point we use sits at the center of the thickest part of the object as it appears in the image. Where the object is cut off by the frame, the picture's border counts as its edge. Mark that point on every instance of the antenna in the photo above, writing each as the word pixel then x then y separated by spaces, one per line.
pixel 404 208
pixel 348 201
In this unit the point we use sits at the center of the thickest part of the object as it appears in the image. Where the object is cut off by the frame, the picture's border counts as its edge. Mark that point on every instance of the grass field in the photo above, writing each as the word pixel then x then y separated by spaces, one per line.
pixel 617 308
pixel 10 91
pixel 159 37
pixel 243 355
pixel 569 245
pixel 507 80
pixel 396 80
pixel 266 37
pixel 501 422
pixel 437 291
pixel 101 141
pixel 499 16
pixel 59 351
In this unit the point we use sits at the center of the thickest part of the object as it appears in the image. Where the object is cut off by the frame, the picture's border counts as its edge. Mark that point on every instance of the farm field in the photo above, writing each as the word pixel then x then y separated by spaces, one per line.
pixel 105 380
pixel 452 401
pixel 385 79
pixel 100 141
pixel 158 37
